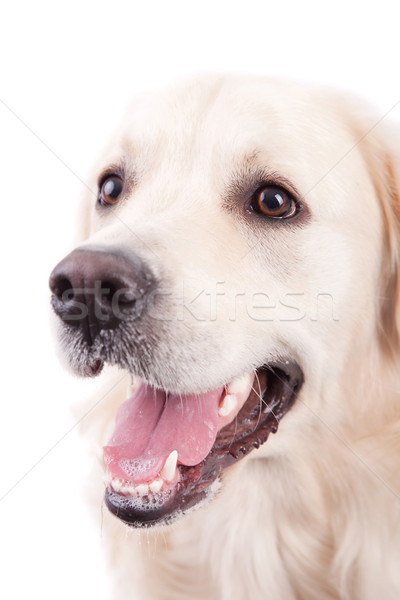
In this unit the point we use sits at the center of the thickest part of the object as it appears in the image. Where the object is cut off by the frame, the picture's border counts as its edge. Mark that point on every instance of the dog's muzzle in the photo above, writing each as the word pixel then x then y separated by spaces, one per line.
pixel 169 446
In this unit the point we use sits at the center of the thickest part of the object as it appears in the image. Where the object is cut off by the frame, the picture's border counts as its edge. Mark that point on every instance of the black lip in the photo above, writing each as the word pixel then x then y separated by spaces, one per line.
pixel 279 384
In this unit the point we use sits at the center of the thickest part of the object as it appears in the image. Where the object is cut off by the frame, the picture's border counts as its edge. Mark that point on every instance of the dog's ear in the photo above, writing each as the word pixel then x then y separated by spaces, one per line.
pixel 378 139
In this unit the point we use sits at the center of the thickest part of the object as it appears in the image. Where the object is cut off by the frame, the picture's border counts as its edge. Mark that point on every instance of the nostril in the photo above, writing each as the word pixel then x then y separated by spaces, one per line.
pixel 116 293
pixel 128 297
pixel 61 287
pixel 108 291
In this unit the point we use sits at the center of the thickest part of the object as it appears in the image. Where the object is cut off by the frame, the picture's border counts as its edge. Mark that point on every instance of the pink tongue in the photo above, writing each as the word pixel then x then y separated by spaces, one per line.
pixel 150 426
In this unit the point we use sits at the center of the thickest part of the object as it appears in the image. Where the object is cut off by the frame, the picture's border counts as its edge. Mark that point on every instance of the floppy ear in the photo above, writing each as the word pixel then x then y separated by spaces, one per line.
pixel 379 142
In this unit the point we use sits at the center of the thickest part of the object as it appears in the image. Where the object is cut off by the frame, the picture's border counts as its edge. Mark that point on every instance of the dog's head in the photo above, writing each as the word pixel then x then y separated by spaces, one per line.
pixel 241 252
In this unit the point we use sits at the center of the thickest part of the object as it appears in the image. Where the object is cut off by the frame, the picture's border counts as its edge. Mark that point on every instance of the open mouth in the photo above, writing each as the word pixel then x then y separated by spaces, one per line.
pixel 168 450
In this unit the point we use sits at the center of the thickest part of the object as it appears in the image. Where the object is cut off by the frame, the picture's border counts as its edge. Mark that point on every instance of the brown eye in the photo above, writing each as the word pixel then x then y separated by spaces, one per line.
pixel 110 190
pixel 274 202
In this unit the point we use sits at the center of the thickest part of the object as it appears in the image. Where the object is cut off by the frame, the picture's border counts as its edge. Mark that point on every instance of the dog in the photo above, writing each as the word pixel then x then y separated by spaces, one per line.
pixel 239 270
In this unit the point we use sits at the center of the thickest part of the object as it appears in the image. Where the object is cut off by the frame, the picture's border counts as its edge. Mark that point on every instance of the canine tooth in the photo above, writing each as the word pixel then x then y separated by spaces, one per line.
pixel 116 485
pixel 155 486
pixel 240 384
pixel 227 406
pixel 132 386
pixel 169 468
pixel 142 489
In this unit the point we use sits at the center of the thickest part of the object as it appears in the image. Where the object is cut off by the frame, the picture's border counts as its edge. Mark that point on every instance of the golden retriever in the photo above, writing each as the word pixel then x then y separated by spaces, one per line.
pixel 240 269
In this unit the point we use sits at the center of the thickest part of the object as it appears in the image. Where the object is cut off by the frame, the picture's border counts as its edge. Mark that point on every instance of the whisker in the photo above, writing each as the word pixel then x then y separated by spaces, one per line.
pixel 262 400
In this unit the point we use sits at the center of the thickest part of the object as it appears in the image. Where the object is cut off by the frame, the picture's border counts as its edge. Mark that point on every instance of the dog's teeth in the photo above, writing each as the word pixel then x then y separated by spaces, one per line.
pixel 142 489
pixel 116 485
pixel 132 386
pixel 155 486
pixel 241 384
pixel 169 468
pixel 227 406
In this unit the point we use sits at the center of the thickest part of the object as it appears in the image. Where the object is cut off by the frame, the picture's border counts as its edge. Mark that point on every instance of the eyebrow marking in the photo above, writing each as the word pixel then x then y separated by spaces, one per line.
pixel 248 175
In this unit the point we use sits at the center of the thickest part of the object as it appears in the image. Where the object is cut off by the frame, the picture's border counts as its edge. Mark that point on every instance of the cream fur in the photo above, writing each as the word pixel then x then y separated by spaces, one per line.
pixel 314 513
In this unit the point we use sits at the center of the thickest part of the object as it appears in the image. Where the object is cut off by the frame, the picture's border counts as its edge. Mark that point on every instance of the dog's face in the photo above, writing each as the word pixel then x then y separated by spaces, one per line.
pixel 233 265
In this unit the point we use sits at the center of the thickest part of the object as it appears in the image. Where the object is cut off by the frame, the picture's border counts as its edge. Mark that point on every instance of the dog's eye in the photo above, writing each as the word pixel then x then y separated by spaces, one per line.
pixel 274 202
pixel 110 190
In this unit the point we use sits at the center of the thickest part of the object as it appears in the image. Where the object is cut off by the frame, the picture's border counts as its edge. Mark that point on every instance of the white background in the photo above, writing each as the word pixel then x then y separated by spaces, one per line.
pixel 67 70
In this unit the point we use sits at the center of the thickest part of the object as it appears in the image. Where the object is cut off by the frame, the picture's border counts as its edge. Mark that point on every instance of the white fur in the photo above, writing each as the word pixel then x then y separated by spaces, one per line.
pixel 314 513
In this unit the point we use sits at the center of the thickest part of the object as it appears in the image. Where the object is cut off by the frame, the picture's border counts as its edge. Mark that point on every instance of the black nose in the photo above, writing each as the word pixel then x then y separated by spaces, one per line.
pixel 96 289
